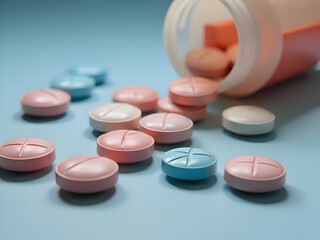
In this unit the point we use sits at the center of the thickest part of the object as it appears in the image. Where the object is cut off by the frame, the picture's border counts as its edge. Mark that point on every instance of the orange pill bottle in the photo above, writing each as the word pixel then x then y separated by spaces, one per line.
pixel 278 39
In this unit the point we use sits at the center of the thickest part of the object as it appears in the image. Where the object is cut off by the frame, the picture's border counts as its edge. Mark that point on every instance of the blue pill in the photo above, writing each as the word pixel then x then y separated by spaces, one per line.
pixel 189 164
pixel 97 72
pixel 77 86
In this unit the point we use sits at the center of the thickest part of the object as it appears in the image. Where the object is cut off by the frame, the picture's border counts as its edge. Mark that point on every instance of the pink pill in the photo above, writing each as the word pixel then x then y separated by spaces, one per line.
pixel 167 128
pixel 87 174
pixel 232 53
pixel 26 154
pixel 194 113
pixel 45 103
pixel 207 62
pixel 254 174
pixel 192 91
pixel 125 146
pixel 141 97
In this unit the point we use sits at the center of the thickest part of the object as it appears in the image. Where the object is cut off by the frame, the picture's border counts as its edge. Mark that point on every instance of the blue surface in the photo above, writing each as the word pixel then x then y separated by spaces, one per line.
pixel 189 163
pixel 96 71
pixel 78 86
pixel 40 39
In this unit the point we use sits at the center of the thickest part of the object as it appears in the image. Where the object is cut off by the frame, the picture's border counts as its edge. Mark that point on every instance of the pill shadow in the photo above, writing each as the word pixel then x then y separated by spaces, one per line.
pixel 79 99
pixel 192 185
pixel 260 198
pixel 34 119
pixel 86 199
pixel 92 134
pixel 149 112
pixel 11 176
pixel 258 138
pixel 167 147
pixel 211 121
pixel 135 167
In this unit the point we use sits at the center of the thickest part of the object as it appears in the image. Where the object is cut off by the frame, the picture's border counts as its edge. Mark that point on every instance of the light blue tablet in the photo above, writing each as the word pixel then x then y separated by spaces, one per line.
pixel 189 164
pixel 97 72
pixel 77 86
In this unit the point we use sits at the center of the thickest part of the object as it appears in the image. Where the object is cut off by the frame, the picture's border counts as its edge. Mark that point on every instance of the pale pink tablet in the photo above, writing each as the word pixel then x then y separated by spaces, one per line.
pixel 207 62
pixel 125 146
pixel 232 53
pixel 26 154
pixel 87 174
pixel 141 97
pixel 167 128
pixel 45 103
pixel 192 91
pixel 254 174
pixel 194 113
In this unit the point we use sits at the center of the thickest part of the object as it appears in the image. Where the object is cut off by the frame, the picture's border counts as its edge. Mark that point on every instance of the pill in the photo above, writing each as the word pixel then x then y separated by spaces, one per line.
pixel 220 34
pixel 97 72
pixel 254 174
pixel 125 146
pixel 87 174
pixel 114 116
pixel 207 62
pixel 194 113
pixel 26 154
pixel 192 91
pixel 189 164
pixel 141 97
pixel 232 53
pixel 167 128
pixel 45 102
pixel 78 86
pixel 248 120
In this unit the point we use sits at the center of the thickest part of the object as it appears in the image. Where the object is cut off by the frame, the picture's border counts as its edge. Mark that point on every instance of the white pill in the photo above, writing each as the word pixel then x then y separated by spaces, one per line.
pixel 114 116
pixel 248 120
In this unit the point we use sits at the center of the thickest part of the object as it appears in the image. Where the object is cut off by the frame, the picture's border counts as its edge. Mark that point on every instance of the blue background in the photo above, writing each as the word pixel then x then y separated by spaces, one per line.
pixel 40 39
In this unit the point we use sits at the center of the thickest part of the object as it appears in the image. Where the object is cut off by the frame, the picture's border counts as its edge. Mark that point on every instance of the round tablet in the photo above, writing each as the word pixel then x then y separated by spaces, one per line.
pixel 167 128
pixel 207 62
pixel 87 174
pixel 192 91
pixel 97 72
pixel 76 85
pixel 45 103
pixel 141 97
pixel 254 174
pixel 248 120
pixel 26 154
pixel 189 164
pixel 114 116
pixel 232 53
pixel 194 113
pixel 125 146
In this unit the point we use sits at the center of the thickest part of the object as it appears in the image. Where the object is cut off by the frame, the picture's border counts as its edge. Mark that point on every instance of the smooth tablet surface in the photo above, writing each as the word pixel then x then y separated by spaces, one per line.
pixel 87 174
pixel 45 102
pixel 125 146
pixel 78 86
pixel 95 71
pixel 194 113
pixel 232 53
pixel 248 120
pixel 207 62
pixel 167 128
pixel 189 164
pixel 141 97
pixel 254 174
pixel 192 91
pixel 114 116
pixel 26 154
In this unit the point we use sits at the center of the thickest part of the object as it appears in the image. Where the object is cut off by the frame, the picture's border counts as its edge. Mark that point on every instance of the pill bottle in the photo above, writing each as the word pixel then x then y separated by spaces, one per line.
pixel 277 39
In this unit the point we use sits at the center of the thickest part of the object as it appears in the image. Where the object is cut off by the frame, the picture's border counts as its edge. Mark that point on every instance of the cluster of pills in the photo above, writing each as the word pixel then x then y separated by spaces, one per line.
pixel 130 138
pixel 218 55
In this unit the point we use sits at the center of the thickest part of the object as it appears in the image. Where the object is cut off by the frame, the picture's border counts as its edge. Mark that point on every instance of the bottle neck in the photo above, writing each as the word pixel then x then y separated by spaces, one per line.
pixel 259 36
